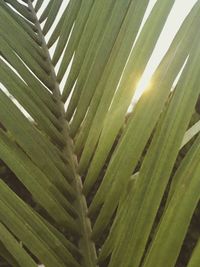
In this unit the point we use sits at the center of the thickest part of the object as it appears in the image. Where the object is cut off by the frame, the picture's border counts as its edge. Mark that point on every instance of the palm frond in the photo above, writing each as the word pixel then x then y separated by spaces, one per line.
pixel 83 183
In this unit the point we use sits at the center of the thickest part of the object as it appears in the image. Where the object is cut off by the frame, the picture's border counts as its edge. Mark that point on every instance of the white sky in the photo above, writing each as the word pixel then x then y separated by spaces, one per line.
pixel 179 11
pixel 176 17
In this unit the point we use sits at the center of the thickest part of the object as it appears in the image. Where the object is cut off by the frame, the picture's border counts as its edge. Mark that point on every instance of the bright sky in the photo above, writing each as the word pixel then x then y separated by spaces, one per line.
pixel 176 17
pixel 179 11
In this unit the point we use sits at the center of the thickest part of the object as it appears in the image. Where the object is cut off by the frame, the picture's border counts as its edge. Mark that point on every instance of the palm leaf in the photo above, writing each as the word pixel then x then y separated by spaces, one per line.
pixel 80 177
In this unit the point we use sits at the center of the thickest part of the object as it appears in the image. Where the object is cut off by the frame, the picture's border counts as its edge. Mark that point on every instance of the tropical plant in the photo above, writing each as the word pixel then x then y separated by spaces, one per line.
pixel 83 184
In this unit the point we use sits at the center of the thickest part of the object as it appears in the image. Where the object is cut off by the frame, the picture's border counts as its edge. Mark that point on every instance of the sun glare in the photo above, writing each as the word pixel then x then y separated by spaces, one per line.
pixel 171 27
pixel 144 84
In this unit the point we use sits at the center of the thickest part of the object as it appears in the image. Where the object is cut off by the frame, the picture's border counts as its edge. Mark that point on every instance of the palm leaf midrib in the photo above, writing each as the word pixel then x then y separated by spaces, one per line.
pixel 86 245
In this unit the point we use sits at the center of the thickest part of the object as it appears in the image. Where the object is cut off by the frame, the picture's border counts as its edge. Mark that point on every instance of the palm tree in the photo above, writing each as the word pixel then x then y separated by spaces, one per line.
pixel 83 184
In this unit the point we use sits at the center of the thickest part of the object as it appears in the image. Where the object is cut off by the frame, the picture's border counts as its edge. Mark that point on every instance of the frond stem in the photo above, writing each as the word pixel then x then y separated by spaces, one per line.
pixel 86 245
